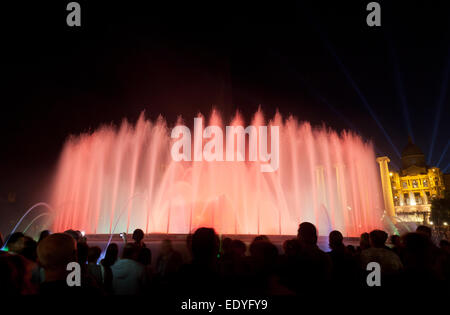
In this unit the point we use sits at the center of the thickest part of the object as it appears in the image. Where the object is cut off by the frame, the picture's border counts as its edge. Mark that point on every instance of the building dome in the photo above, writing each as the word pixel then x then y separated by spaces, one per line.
pixel 411 149
pixel 412 155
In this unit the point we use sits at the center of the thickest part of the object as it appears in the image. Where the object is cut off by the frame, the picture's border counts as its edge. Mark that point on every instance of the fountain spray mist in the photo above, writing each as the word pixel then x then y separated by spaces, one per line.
pixel 328 179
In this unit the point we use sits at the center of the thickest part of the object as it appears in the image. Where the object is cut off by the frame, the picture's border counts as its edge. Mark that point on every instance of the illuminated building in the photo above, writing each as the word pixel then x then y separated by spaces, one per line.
pixel 408 193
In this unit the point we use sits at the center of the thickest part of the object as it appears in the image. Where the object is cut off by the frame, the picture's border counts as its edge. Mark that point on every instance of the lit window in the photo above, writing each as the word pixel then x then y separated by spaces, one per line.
pixel 417 198
pixel 425 183
pixel 404 185
pixel 414 184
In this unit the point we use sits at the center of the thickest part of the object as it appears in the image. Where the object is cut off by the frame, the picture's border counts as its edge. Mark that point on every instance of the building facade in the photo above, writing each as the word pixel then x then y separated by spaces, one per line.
pixel 408 193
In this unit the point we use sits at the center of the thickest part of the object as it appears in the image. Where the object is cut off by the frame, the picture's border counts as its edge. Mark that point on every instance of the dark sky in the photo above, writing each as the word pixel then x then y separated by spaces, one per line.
pixel 316 59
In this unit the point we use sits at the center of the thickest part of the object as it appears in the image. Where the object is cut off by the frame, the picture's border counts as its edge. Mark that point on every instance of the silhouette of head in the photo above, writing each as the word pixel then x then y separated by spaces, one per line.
pixel 55 252
pixel 82 252
pixel 425 230
pixel 74 234
pixel 112 252
pixel 130 251
pixel 395 240
pixel 364 241
pixel 378 238
pixel 335 240
pixel 351 249
pixel 307 233
pixel 261 238
pixel 29 248
pixel 16 242
pixel 43 235
pixel 93 254
pixel 238 248
pixel 264 255
pixel 417 251
pixel 80 237
pixel 138 235
pixel 205 244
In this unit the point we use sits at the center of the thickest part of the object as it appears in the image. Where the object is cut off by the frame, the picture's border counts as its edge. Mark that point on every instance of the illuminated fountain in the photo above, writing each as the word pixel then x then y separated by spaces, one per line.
pixel 115 180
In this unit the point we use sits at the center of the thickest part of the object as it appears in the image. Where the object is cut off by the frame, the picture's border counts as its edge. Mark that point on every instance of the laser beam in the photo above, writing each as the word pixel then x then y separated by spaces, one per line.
pixel 400 90
pixel 443 153
pixel 440 102
pixel 352 82
pixel 446 168
pixel 323 100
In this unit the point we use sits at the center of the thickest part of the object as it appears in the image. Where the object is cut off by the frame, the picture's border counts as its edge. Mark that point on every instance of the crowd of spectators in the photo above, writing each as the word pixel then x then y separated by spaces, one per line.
pixel 222 266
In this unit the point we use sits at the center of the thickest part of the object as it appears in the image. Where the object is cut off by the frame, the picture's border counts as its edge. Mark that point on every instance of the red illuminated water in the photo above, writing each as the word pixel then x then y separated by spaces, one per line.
pixel 119 179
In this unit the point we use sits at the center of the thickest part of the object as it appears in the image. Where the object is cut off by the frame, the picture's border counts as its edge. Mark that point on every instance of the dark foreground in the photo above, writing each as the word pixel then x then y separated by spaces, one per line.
pixel 203 272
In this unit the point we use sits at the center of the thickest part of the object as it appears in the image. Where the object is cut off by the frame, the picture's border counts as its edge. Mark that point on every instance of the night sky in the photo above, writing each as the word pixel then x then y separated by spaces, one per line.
pixel 316 60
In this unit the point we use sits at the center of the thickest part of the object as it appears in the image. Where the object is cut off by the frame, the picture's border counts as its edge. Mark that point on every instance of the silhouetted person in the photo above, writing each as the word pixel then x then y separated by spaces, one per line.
pixel 43 235
pixel 145 258
pixel 19 244
pixel 437 256
pixel 111 255
pixel 82 254
pixel 351 249
pixel 55 252
pixel 93 269
pixel 389 261
pixel 138 237
pixel 74 234
pixel 396 244
pixel 201 277
pixel 418 262
pixel 291 248
pixel 425 230
pixel 29 249
pixel 261 238
pixel 310 268
pixel 168 261
pixel 364 242
pixel 129 277
pixel 264 262
pixel 80 237
pixel 345 267
pixel 15 276
pixel 87 280
pixel 235 268
pixel 15 243
pixel 225 250
pixel 238 249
